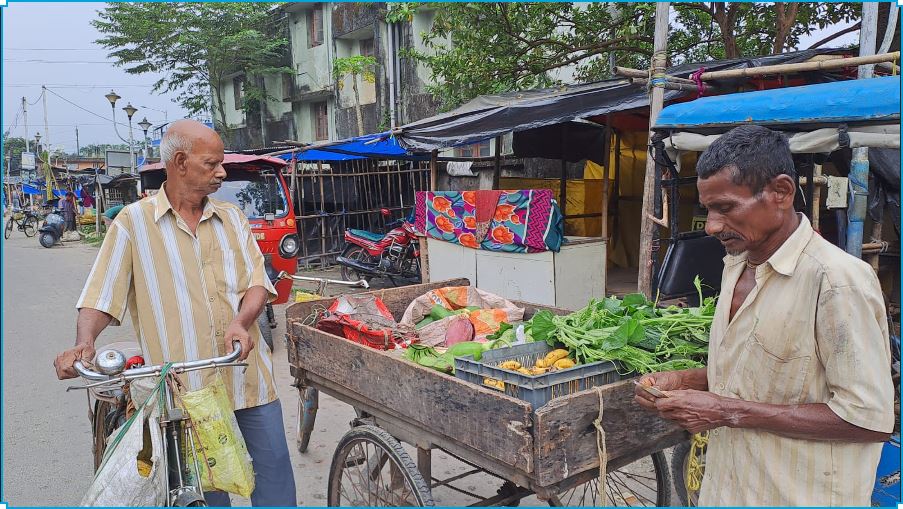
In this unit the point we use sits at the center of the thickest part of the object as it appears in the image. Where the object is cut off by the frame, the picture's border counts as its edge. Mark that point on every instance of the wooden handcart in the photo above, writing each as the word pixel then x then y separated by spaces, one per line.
pixel 551 451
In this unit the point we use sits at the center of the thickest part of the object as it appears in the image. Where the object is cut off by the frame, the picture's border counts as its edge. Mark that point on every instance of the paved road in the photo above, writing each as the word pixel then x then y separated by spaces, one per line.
pixel 46 436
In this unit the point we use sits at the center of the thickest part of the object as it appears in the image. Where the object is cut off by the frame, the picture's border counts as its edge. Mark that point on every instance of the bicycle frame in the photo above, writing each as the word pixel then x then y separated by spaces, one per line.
pixel 180 450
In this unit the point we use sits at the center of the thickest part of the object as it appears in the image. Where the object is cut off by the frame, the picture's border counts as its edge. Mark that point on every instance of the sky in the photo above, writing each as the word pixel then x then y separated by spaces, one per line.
pixel 53 44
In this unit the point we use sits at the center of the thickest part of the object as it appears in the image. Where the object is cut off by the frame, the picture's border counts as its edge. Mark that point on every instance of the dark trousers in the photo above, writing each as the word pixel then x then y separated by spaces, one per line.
pixel 274 480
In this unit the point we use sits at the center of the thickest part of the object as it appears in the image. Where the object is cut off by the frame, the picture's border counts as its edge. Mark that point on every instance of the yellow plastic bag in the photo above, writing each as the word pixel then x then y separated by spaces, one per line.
pixel 228 464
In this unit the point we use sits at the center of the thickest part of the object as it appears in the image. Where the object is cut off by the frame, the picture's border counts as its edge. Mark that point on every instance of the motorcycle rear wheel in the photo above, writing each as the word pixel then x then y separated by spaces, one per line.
pixel 47 239
pixel 359 255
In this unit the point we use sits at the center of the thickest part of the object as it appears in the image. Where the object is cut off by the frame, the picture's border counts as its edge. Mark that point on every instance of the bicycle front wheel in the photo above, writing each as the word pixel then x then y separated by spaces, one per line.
pixel 31 226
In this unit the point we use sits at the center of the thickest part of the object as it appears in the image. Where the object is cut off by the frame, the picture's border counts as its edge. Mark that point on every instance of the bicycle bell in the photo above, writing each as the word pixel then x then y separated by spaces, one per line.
pixel 110 362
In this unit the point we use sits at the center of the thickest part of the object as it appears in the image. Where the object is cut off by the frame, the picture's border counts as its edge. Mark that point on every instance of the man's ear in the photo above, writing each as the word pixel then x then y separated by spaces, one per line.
pixel 180 160
pixel 783 189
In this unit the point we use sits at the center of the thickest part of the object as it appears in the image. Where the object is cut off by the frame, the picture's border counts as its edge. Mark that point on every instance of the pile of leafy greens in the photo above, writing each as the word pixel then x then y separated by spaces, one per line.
pixel 632 331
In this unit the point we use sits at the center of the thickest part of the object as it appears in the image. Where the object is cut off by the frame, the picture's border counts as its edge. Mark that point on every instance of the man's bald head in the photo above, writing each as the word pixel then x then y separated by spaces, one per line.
pixel 181 136
pixel 193 155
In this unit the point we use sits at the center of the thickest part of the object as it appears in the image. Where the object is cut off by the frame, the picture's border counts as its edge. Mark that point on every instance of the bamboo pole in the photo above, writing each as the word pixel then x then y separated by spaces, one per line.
pixel 816 195
pixel 641 74
pixel 647 226
pixel 817 65
pixel 683 87
pixel 824 65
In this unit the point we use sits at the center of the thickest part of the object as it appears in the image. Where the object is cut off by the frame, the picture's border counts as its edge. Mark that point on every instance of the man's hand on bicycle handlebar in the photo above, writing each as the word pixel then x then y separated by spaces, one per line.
pixel 235 332
pixel 64 361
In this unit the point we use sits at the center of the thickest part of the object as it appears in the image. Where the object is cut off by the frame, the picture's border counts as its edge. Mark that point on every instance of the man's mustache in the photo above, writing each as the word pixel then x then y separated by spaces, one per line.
pixel 724 237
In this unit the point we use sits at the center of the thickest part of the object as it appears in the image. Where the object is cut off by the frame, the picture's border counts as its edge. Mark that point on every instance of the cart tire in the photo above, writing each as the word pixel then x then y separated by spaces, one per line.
pixel 680 461
pixel 266 333
pixel 645 483
pixel 308 401
pixel 30 226
pixel 372 456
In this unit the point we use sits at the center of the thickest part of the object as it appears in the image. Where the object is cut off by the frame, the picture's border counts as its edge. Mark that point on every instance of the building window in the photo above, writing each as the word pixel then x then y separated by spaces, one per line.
pixel 480 149
pixel 367 47
pixel 288 81
pixel 315 27
pixel 238 91
pixel 320 120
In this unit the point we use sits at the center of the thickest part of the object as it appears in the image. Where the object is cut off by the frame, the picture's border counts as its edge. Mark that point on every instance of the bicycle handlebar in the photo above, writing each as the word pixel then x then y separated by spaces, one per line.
pixel 355 284
pixel 177 367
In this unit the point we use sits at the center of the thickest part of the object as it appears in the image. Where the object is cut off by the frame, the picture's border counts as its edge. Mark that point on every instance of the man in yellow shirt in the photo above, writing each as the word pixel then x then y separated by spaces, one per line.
pixel 190 272
pixel 797 392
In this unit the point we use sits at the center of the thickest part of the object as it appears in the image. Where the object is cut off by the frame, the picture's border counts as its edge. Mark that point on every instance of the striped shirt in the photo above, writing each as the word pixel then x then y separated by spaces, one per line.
pixel 183 290
pixel 813 330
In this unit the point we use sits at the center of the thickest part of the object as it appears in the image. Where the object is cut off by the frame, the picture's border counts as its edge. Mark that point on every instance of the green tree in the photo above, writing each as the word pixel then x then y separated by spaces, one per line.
pixel 485 48
pixel 355 66
pixel 100 149
pixel 196 46
pixel 13 147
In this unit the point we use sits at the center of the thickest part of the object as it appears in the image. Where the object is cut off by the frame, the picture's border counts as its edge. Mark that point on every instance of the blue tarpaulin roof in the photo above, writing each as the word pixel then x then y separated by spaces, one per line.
pixel 866 100
pixel 380 146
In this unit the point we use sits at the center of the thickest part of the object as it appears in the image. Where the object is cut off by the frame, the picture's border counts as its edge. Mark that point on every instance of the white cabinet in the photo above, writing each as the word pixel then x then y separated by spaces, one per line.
pixel 567 279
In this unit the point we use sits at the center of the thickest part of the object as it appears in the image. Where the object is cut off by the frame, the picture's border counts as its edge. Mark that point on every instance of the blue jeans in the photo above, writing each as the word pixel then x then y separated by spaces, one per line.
pixel 264 435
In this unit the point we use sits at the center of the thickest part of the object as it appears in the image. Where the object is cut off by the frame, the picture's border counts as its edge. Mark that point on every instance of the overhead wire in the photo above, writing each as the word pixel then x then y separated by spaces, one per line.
pixel 83 108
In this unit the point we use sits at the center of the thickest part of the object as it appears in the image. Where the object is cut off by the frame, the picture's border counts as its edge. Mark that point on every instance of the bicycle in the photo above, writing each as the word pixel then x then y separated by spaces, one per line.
pixel 25 221
pixel 180 456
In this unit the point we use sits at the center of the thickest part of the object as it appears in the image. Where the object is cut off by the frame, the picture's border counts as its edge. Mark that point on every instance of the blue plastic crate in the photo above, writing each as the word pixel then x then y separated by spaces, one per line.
pixel 536 390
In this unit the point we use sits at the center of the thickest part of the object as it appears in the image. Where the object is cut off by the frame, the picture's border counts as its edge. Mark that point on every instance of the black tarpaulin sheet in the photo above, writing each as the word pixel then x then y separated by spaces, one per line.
pixel 488 116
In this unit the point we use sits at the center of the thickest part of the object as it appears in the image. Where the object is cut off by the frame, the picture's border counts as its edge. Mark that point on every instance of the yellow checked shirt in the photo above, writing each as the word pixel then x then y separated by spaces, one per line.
pixel 183 290
pixel 813 330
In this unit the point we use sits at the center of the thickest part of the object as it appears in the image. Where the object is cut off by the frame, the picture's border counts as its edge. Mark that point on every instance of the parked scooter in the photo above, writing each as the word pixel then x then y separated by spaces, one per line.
pixel 395 254
pixel 52 229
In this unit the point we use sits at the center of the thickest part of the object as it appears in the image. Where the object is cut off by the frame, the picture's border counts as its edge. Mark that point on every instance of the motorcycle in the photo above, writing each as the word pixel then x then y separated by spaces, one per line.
pixel 52 229
pixel 395 254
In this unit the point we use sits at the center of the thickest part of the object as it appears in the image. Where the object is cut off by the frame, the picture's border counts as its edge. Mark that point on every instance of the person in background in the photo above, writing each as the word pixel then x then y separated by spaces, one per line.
pixel 69 207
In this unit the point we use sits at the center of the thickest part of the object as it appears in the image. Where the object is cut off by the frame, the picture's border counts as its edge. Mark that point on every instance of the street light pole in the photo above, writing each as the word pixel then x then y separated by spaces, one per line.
pixel 145 125
pixel 130 111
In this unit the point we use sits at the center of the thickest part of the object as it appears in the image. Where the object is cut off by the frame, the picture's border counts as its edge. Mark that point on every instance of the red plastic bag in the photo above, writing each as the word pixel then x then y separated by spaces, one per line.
pixel 365 319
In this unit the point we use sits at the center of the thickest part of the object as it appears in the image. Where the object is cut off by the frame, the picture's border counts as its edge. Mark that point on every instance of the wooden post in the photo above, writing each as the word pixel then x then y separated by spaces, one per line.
pixel 563 183
pixel 497 173
pixel 816 196
pixel 434 169
pixel 859 166
pixel 659 62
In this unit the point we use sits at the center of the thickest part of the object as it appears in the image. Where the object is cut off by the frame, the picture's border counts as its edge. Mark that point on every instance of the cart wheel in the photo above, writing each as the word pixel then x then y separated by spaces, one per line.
pixel 308 399
pixel 8 229
pixel 370 468
pixel 643 483
pixel 680 462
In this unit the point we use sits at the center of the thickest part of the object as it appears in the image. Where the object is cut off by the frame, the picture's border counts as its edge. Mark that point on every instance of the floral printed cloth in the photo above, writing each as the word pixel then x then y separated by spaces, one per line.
pixel 525 221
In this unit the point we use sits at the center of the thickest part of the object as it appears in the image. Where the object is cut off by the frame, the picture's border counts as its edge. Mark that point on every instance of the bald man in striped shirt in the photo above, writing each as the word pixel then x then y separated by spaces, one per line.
pixel 192 276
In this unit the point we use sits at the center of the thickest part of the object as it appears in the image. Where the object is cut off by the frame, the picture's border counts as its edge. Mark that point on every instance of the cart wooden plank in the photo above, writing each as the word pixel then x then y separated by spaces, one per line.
pixel 565 435
pixel 483 419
